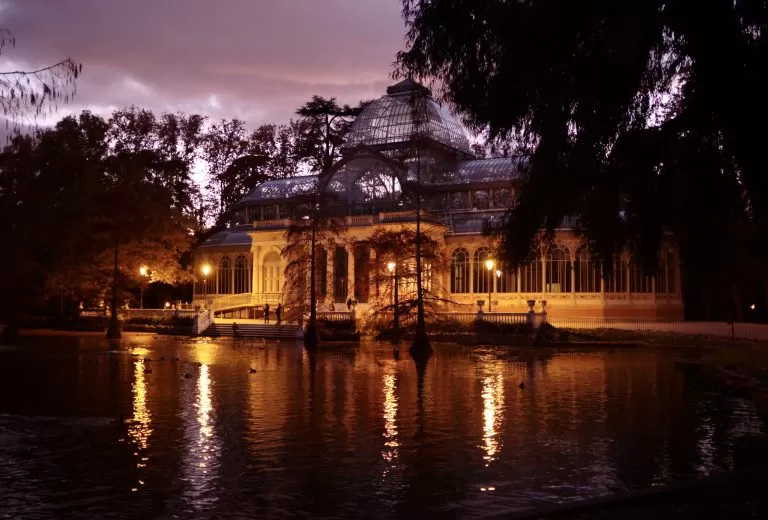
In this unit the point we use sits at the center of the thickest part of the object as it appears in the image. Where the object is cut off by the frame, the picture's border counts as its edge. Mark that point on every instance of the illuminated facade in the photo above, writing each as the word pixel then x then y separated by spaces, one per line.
pixel 403 140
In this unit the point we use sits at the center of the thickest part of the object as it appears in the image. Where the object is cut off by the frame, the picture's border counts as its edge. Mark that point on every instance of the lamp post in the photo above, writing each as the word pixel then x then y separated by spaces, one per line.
pixel 392 267
pixel 143 272
pixel 490 264
pixel 206 270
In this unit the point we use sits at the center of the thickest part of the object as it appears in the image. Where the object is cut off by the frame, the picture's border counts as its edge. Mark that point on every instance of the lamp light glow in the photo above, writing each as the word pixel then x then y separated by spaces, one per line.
pixel 490 264
pixel 206 269
pixel 391 267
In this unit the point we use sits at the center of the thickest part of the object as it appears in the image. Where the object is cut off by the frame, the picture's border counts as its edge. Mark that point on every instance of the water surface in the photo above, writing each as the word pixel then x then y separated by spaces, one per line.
pixel 216 429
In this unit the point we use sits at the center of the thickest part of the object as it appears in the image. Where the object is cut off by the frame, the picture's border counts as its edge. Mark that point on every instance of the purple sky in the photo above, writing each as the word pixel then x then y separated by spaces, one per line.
pixel 257 60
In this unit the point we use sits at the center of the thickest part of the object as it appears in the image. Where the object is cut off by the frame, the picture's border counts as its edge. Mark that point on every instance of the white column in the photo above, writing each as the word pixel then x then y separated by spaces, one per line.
pixel 330 278
pixel 256 278
pixel 350 272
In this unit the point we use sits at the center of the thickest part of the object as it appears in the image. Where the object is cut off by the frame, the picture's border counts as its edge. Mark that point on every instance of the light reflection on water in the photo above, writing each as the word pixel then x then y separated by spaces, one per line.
pixel 201 446
pixel 139 427
pixel 345 433
pixel 493 410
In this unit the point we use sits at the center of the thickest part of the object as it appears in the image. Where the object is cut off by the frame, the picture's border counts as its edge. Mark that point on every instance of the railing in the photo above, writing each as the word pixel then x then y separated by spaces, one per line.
pixel 232 300
pixel 203 320
pixel 506 318
pixel 281 223
pixel 334 315
pixel 141 313
pixel 360 220
pixel 615 323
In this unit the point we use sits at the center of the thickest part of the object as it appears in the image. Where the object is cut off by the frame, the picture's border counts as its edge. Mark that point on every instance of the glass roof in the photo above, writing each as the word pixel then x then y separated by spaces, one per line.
pixel 388 121
pixel 479 171
pixel 281 189
pixel 228 239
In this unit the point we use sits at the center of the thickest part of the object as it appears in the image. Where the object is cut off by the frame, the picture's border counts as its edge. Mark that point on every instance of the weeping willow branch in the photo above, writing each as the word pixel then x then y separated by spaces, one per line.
pixel 34 93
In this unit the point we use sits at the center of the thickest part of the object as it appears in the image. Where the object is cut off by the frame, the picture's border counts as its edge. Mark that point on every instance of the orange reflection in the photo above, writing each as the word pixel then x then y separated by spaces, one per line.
pixel 139 429
pixel 203 446
pixel 493 410
pixel 391 443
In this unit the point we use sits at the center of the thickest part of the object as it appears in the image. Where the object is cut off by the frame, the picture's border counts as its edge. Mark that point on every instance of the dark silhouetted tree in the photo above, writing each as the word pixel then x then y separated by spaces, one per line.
pixel 615 102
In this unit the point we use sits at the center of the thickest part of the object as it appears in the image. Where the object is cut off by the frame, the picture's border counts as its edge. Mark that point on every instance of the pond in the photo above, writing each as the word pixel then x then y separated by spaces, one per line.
pixel 218 429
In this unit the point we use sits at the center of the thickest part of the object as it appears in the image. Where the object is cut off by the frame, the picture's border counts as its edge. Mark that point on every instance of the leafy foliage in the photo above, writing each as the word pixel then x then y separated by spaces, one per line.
pixel 637 114
pixel 93 185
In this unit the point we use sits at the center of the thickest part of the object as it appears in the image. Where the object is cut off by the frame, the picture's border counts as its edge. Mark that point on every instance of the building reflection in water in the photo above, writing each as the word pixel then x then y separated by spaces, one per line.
pixel 493 412
pixel 203 447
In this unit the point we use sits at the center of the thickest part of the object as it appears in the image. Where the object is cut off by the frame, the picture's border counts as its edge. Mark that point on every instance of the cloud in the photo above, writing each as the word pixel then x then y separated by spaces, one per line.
pixel 258 60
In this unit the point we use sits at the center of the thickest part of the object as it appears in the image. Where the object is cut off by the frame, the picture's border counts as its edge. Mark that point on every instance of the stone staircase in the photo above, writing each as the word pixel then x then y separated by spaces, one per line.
pixel 252 330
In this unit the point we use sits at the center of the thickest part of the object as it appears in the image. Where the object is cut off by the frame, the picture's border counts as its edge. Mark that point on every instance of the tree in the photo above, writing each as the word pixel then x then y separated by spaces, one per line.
pixel 111 203
pixel 399 246
pixel 316 226
pixel 617 100
pixel 223 143
pixel 35 92
pixel 324 126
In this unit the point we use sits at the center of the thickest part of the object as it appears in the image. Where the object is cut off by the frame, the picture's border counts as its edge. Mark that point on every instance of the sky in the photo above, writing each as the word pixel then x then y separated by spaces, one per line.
pixel 257 60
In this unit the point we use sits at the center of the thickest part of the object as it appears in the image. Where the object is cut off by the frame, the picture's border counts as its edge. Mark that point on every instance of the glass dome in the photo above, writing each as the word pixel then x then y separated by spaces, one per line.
pixel 388 122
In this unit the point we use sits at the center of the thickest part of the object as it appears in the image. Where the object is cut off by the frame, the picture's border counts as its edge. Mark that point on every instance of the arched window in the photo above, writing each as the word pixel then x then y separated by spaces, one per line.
pixel 639 282
pixel 587 272
pixel 321 271
pixel 530 276
pixel 500 198
pixel 480 200
pixel 506 279
pixel 459 200
pixel 617 281
pixel 460 271
pixel 558 265
pixel 225 276
pixel 483 278
pixel 242 275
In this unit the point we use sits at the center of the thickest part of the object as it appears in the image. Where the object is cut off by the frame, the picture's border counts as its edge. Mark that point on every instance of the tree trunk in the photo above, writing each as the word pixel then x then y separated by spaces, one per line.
pixel 11 331
pixel 311 342
pixel 421 347
pixel 113 331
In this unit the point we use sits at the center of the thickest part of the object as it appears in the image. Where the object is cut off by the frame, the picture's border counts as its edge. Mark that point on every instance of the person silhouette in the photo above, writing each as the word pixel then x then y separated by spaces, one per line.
pixel 266 313
pixel 279 312
pixel 235 330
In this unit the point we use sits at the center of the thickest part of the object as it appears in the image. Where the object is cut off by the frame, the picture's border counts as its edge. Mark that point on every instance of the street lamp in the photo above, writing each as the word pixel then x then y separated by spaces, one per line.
pixel 490 264
pixel 143 273
pixel 206 270
pixel 396 324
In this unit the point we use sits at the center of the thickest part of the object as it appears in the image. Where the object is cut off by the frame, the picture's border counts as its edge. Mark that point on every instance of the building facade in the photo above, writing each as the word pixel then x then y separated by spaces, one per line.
pixel 403 142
